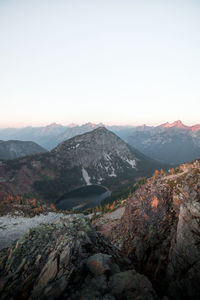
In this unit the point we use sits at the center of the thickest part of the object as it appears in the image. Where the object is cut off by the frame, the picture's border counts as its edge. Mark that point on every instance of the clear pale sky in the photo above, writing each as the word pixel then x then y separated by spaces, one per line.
pixel 117 62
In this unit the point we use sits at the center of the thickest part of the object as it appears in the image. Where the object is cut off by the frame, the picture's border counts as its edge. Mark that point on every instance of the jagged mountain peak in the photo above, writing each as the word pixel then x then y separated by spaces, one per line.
pixel 54 125
pixel 195 127
pixel 100 131
pixel 177 124
pixel 93 125
pixel 71 125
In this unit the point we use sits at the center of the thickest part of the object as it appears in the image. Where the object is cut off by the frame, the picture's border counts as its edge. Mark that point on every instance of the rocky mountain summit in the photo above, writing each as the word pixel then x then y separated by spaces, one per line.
pixel 97 157
pixel 101 144
pixel 179 124
pixel 160 232
pixel 68 259
pixel 14 149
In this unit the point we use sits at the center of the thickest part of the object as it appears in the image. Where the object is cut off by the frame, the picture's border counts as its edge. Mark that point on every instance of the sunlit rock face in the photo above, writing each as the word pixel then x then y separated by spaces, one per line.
pixel 160 231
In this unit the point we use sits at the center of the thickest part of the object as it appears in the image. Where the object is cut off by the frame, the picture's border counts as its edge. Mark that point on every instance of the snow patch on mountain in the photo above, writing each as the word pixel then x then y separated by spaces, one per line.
pixel 107 156
pixel 131 162
pixel 100 180
pixel 73 147
pixel 106 168
pixel 99 165
pixel 113 173
pixel 86 177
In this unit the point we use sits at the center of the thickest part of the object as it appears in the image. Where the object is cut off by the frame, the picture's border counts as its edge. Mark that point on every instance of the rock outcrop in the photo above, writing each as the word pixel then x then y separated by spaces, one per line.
pixel 68 259
pixel 160 232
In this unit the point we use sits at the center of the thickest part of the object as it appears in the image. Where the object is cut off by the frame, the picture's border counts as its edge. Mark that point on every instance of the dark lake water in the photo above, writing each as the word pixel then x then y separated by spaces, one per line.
pixel 86 197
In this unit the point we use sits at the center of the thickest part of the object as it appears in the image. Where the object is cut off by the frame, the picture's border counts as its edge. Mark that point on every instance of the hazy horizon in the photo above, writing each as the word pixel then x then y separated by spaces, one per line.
pixel 116 62
pixel 97 123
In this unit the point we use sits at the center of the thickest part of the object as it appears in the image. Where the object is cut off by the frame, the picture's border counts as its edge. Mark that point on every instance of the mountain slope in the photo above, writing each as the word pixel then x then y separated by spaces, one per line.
pixel 14 149
pixel 168 146
pixel 170 143
pixel 97 157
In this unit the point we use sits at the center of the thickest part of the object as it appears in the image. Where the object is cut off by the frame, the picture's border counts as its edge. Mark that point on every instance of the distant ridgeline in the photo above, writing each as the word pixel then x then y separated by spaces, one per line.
pixel 14 149
pixel 172 143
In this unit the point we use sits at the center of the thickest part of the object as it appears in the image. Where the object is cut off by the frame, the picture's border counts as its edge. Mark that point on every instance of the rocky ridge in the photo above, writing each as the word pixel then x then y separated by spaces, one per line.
pixel 13 227
pixel 179 124
pixel 160 232
pixel 68 259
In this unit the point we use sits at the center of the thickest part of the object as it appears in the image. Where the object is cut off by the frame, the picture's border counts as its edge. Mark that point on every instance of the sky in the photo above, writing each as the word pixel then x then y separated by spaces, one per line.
pixel 116 62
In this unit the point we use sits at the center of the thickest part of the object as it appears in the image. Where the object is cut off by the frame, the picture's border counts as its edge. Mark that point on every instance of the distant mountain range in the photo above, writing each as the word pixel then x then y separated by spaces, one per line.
pixel 179 124
pixel 97 157
pixel 47 136
pixel 14 149
pixel 172 143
